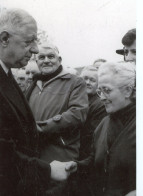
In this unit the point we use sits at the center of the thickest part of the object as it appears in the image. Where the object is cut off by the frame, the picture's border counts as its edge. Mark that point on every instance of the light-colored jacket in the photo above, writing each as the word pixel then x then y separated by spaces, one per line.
pixel 60 107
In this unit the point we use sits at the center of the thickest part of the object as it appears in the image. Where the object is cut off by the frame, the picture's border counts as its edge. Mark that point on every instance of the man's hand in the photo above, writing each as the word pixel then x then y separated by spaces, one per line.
pixel 71 166
pixel 58 171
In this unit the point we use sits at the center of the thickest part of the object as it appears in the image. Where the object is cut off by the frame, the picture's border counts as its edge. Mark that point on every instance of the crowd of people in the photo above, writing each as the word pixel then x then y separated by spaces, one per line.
pixel 64 132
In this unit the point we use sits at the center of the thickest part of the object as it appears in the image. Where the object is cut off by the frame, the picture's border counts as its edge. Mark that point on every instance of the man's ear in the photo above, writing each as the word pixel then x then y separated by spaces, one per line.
pixel 60 59
pixel 129 91
pixel 4 38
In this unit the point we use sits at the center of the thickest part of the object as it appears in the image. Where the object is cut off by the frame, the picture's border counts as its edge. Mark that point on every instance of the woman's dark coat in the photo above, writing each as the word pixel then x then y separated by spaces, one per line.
pixel 113 159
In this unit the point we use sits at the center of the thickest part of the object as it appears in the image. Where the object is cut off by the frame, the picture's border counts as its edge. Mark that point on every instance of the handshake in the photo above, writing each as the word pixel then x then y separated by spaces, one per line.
pixel 60 171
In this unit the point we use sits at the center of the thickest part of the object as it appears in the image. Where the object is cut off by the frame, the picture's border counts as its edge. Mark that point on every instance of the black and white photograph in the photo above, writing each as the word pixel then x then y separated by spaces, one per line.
pixel 68 98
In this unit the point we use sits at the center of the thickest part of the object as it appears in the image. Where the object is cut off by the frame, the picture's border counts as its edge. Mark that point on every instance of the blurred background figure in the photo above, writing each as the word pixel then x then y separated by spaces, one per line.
pixel 96 110
pixel 129 42
pixel 98 62
pixel 14 72
pixel 22 80
pixel 71 70
pixel 95 114
pixel 31 69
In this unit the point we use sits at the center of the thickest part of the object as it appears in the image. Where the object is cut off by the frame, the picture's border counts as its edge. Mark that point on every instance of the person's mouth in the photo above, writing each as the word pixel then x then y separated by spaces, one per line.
pixel 90 87
pixel 30 79
pixel 107 103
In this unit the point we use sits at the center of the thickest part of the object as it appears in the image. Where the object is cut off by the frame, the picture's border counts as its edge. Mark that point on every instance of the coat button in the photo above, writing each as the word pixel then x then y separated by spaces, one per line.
pixel 107 151
pixel 57 118
pixel 105 170
pixel 103 189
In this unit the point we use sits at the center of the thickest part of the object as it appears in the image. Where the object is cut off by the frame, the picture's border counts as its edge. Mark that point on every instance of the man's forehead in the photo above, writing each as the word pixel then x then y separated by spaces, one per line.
pixel 43 50
pixel 21 74
pixel 89 73
pixel 133 46
pixel 28 31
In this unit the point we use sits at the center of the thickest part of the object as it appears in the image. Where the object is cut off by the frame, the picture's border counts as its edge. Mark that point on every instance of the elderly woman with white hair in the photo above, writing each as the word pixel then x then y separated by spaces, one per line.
pixel 113 158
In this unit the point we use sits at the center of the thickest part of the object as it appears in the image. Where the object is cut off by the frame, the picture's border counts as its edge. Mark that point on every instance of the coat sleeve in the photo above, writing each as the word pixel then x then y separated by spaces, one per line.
pixel 76 113
pixel 87 164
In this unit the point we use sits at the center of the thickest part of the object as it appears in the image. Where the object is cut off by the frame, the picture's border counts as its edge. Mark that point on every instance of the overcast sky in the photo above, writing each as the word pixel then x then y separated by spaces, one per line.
pixel 83 30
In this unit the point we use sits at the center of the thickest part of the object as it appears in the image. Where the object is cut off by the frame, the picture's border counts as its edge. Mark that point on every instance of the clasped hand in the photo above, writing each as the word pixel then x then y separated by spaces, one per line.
pixel 60 171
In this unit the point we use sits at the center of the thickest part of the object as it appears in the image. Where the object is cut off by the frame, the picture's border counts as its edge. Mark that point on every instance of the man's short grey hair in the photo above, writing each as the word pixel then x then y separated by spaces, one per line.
pixel 124 72
pixel 49 46
pixel 15 20
pixel 89 68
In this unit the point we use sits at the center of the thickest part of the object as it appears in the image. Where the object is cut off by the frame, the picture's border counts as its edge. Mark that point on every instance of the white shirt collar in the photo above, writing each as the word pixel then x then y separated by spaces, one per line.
pixel 4 67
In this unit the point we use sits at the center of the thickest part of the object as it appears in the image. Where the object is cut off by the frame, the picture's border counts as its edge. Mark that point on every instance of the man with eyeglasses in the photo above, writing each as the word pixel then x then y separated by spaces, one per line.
pixel 129 42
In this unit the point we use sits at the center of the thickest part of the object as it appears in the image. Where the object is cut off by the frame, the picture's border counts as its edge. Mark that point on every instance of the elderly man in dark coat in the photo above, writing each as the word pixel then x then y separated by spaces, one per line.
pixel 21 172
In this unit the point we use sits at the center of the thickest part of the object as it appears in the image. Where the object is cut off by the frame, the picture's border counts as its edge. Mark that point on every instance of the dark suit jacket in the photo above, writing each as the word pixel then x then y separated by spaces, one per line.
pixel 18 141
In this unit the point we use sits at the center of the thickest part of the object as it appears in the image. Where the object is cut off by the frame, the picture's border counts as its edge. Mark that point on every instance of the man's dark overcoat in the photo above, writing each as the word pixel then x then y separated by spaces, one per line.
pixel 19 170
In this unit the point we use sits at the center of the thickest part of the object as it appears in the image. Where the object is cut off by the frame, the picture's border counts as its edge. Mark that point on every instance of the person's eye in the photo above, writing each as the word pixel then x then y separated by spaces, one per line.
pixel 27 73
pixel 41 57
pixel 133 51
pixel 51 56
pixel 107 90
pixel 33 72
pixel 92 80
pixel 85 78
pixel 28 42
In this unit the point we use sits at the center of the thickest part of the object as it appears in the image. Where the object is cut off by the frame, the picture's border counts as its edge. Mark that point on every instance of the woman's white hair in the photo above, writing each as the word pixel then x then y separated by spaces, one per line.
pixel 14 20
pixel 124 72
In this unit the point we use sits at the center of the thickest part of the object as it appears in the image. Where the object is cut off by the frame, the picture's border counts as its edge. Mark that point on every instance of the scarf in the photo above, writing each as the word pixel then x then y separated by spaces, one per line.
pixel 47 77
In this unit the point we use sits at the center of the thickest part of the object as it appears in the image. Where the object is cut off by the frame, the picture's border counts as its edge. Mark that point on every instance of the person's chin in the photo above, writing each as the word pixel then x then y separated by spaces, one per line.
pixel 109 109
pixel 89 91
pixel 47 71
pixel 21 64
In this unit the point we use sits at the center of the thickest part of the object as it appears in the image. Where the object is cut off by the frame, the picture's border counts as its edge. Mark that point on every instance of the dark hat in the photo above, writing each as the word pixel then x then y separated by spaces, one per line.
pixel 121 51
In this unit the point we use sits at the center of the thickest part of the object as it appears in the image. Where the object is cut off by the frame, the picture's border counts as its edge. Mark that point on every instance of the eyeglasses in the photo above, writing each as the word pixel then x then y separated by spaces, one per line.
pixel 106 91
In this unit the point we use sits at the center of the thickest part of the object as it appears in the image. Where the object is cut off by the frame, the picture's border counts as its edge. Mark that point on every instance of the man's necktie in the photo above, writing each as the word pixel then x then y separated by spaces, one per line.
pixel 10 76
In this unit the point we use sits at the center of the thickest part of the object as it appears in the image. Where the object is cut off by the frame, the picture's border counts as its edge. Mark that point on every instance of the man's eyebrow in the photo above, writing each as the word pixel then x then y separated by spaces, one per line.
pixel 41 54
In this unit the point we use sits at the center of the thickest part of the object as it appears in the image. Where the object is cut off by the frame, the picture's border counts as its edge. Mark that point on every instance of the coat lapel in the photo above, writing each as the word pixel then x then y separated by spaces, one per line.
pixel 11 91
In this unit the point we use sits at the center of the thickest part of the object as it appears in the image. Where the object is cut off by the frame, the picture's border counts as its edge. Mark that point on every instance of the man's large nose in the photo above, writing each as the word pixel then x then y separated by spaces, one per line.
pixel 87 81
pixel 46 60
pixel 34 49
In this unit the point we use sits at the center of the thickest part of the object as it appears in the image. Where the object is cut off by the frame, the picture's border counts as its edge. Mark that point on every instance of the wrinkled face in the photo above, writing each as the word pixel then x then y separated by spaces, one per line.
pixel 21 46
pixel 48 61
pixel 31 69
pixel 130 52
pixel 22 80
pixel 113 95
pixel 91 80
